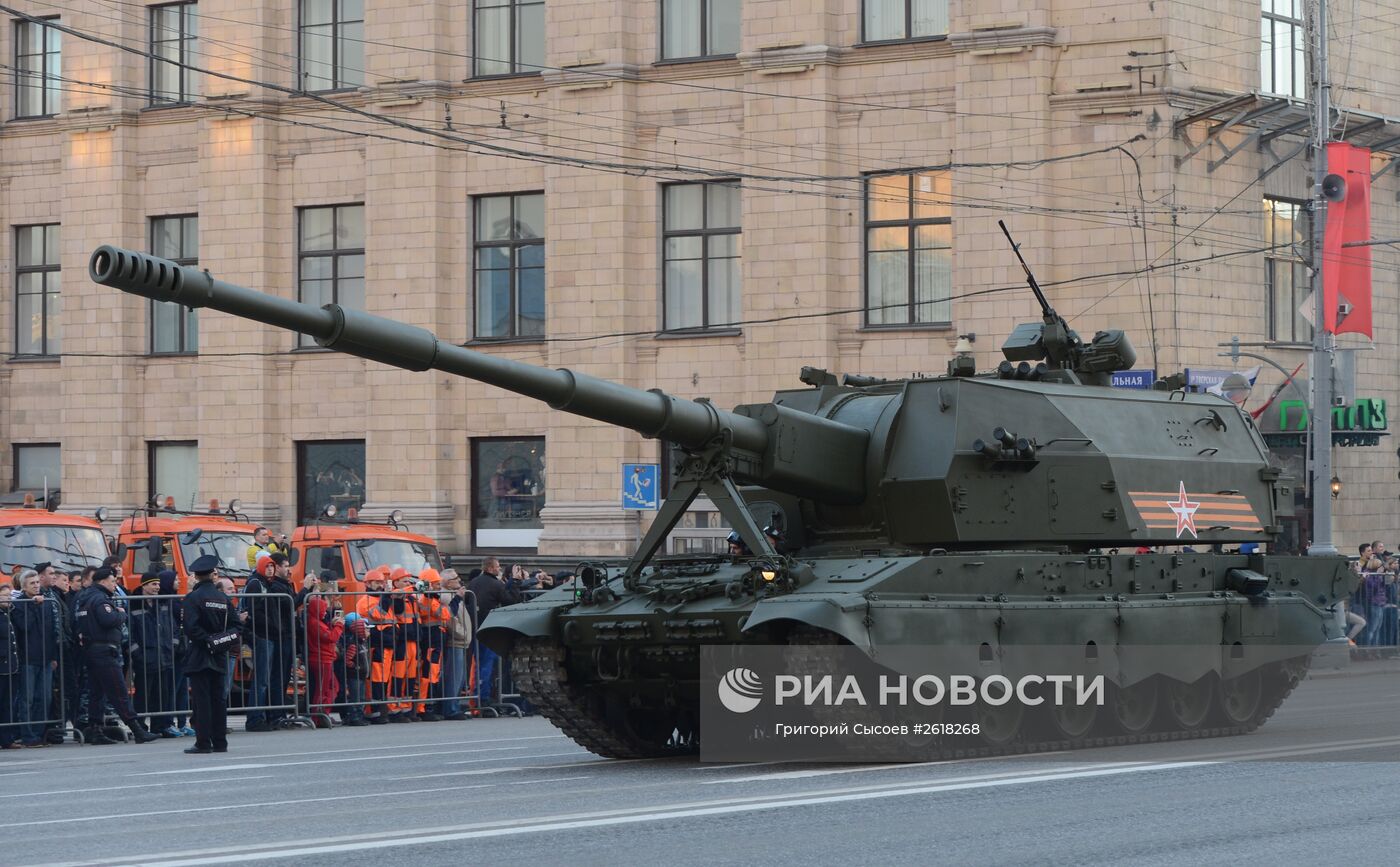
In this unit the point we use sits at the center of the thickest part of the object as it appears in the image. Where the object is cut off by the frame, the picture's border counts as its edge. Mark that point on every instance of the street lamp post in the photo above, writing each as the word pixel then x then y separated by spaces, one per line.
pixel 1320 439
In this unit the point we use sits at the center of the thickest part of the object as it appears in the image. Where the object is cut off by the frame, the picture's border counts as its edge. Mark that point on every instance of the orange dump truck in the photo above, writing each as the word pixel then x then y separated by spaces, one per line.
pixel 183 537
pixel 349 548
pixel 31 535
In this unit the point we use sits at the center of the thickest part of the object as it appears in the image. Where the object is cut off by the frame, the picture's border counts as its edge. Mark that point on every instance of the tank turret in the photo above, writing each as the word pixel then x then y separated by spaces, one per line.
pixel 1030 455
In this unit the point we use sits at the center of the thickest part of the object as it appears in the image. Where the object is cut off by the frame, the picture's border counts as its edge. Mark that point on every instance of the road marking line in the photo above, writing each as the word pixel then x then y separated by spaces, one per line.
pixel 407 839
pixel 801 775
pixel 556 737
pixel 704 767
pixel 213 807
pixel 598 763
pixel 480 771
pixel 139 786
pixel 295 764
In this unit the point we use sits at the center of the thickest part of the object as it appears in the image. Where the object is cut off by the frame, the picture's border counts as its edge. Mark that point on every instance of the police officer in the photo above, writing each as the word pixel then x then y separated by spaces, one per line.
pixel 208 613
pixel 100 621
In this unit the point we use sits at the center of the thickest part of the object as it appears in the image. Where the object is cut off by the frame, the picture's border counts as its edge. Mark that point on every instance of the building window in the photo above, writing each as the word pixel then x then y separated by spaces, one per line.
pixel 1286 280
pixel 173 471
pixel 332 44
pixel 700 277
pixel 699 28
pixel 894 20
pixel 510 265
pixel 509 37
pixel 37 285
pixel 331 258
pixel 38 72
pixel 908 249
pixel 507 491
pixel 175 328
pixel 38 467
pixel 1282 52
pixel 174 29
pixel 329 472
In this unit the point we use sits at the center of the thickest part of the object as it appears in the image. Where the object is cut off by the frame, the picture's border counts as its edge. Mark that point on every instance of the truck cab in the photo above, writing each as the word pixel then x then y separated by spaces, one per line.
pixel 30 535
pixel 163 538
pixel 348 548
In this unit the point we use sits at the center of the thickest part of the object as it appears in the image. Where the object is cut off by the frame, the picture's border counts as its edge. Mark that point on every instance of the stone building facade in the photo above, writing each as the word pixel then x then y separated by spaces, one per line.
pixel 697 195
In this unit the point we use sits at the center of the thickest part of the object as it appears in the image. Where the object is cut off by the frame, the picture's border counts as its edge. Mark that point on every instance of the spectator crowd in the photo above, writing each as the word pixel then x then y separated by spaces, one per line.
pixel 1372 610
pixel 78 651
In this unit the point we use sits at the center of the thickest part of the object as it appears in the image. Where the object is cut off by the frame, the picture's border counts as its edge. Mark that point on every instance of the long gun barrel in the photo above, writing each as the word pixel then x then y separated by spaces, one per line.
pixel 653 413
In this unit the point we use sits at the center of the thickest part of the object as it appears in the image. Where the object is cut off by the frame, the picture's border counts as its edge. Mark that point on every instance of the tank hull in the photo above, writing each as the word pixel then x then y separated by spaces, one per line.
pixel 623 677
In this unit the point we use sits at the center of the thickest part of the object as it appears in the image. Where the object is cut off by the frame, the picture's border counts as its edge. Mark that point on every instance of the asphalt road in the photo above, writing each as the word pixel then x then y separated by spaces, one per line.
pixel 1316 785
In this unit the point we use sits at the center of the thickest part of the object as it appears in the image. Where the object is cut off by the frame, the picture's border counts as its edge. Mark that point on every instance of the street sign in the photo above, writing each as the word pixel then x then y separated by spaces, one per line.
pixel 1134 378
pixel 1199 379
pixel 641 486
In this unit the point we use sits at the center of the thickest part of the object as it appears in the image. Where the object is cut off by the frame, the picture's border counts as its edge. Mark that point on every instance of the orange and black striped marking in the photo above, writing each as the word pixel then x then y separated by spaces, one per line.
pixel 1186 513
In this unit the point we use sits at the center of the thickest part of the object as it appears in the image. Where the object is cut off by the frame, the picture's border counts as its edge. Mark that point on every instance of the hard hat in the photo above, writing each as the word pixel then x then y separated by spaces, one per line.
pixel 400 573
pixel 430 575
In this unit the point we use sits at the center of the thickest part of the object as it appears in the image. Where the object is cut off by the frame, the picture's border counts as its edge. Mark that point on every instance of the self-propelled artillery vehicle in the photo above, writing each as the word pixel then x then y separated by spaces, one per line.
pixel 981 510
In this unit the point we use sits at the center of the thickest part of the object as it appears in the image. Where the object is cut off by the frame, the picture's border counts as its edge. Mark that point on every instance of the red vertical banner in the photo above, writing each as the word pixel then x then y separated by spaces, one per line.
pixel 1346 271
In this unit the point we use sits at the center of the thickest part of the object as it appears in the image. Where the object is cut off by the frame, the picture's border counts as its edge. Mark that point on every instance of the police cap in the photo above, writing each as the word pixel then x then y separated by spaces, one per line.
pixel 204 565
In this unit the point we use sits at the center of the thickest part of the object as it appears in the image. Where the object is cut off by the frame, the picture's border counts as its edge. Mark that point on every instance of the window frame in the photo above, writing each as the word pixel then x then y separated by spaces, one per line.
pixel 704 233
pixel 302 492
pixel 912 224
pixel 152 446
pixel 513 61
pixel 908 27
pixel 15 449
pixel 337 65
pixel 44 269
pixel 186 95
pixel 20 75
pixel 513 245
pixel 705 53
pixel 1272 260
pixel 191 313
pixel 335 254
pixel 1296 25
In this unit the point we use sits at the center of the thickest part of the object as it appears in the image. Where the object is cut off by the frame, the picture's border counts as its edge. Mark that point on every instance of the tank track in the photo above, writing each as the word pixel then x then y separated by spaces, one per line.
pixel 804 654
pixel 537 664
pixel 538 669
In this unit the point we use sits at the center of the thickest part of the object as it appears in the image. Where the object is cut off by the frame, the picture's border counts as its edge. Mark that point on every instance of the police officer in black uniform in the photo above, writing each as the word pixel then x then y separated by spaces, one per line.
pixel 207 613
pixel 99 621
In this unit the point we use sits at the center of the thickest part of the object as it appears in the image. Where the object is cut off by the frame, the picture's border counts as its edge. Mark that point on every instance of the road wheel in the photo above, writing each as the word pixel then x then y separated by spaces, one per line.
pixel 1241 697
pixel 998 725
pixel 1133 708
pixel 1188 704
pixel 1070 721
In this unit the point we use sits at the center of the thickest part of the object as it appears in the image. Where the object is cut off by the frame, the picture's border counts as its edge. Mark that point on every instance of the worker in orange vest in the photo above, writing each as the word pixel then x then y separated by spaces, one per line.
pixel 404 685
pixel 433 615
pixel 375 607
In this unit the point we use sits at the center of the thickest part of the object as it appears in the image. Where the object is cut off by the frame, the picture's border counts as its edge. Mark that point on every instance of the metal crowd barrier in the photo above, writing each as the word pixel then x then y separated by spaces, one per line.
pixel 262 683
pixel 35 670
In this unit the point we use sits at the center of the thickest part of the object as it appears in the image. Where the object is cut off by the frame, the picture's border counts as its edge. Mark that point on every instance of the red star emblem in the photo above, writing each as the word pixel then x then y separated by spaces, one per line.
pixel 1185 513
